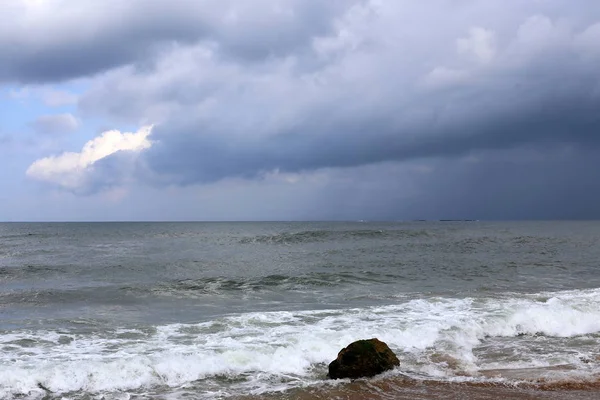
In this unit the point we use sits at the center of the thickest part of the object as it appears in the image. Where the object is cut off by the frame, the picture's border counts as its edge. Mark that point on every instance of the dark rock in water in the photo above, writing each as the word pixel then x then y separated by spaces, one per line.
pixel 363 358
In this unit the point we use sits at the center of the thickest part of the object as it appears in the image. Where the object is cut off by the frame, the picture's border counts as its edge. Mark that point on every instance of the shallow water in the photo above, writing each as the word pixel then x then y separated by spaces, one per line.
pixel 257 310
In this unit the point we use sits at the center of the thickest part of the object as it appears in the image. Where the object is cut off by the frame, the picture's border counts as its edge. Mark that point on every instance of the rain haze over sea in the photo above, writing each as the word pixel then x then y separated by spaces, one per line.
pixel 258 310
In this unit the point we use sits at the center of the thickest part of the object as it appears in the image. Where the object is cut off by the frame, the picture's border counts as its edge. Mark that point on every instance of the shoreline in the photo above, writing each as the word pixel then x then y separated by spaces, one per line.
pixel 403 388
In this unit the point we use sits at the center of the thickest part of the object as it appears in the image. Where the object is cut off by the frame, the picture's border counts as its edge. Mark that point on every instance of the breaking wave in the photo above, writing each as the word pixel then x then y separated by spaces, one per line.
pixel 537 339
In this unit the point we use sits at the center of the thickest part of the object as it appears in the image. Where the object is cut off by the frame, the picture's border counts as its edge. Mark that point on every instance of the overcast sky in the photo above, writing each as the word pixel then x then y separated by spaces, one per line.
pixel 299 109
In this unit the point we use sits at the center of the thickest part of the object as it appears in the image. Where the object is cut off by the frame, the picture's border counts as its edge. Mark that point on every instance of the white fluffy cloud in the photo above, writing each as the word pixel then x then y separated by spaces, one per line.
pixel 71 170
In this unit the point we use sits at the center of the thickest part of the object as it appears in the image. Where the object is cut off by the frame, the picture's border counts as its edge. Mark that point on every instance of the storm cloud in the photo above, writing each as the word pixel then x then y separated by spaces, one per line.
pixel 499 99
pixel 55 40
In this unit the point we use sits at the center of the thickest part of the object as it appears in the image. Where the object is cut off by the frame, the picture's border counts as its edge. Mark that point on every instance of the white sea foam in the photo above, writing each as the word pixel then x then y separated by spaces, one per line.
pixel 443 338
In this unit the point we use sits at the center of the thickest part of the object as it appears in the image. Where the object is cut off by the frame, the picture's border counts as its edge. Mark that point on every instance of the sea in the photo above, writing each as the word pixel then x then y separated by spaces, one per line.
pixel 257 310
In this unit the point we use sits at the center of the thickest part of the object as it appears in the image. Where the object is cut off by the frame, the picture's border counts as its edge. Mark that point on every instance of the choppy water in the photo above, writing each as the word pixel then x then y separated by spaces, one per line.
pixel 209 310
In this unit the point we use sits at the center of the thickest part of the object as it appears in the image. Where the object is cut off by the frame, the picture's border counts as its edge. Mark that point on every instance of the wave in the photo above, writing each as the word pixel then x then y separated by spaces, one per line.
pixel 31 270
pixel 310 236
pixel 27 235
pixel 324 235
pixel 222 285
pixel 44 296
pixel 44 292
pixel 441 339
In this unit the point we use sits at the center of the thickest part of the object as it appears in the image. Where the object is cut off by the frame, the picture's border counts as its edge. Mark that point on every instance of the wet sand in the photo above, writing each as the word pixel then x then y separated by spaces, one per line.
pixel 405 389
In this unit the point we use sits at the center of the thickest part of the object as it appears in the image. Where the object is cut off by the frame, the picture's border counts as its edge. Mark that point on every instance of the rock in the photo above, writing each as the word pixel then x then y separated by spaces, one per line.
pixel 363 358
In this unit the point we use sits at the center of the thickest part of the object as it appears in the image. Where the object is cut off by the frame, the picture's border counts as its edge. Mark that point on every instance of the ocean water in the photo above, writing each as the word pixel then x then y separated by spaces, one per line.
pixel 258 310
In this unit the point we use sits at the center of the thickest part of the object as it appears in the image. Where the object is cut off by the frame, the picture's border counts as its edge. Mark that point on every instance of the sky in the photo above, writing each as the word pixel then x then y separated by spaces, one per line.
pixel 299 110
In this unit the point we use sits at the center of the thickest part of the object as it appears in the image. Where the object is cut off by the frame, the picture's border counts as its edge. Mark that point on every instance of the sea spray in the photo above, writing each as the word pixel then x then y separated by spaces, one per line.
pixel 293 347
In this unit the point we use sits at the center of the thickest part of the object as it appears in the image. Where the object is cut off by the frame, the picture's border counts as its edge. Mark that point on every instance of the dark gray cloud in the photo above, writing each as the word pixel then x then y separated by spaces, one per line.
pixel 552 183
pixel 57 40
pixel 499 101
pixel 203 155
